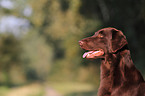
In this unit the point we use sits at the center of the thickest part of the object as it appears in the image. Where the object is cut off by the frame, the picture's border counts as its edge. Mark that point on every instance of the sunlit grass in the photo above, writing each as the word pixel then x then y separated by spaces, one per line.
pixel 37 89
pixel 27 90
pixel 72 87
pixel 3 90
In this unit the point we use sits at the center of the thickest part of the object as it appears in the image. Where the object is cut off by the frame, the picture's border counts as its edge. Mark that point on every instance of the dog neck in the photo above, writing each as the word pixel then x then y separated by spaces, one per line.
pixel 118 69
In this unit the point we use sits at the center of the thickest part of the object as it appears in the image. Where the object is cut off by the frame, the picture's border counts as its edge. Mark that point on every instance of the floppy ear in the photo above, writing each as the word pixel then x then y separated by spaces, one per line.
pixel 118 40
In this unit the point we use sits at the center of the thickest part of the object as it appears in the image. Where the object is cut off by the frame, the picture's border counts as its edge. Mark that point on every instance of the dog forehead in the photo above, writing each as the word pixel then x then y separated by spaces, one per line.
pixel 105 31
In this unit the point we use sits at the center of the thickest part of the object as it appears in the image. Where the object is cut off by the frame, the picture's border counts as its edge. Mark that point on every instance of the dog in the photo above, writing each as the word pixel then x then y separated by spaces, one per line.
pixel 119 76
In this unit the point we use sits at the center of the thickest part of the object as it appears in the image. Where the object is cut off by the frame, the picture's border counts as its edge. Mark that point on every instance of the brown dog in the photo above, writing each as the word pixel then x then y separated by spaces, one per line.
pixel 119 77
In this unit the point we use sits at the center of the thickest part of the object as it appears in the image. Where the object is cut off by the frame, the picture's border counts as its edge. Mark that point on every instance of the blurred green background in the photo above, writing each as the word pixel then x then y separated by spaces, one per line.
pixel 39 50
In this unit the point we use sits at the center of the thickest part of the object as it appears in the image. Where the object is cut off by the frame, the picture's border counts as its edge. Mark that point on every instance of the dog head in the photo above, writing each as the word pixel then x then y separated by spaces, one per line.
pixel 104 41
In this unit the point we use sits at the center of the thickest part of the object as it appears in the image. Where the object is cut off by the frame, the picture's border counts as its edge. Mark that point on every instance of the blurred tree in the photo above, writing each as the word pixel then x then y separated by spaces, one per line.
pixel 61 24
pixel 9 55
pixel 37 57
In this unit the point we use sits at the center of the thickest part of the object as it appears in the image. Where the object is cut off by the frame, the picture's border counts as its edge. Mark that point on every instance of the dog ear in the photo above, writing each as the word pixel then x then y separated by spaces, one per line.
pixel 118 40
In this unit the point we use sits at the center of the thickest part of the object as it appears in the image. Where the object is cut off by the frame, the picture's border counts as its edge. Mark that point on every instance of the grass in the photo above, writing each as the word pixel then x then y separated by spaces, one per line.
pixel 73 88
pixel 3 90
pixel 28 90
pixel 62 88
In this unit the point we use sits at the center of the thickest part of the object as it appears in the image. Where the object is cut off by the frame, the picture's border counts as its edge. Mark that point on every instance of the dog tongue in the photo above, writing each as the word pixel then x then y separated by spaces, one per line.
pixel 92 54
pixel 86 53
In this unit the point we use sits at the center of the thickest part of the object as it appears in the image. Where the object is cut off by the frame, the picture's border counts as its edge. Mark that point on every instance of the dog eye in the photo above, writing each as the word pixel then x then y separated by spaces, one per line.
pixel 100 36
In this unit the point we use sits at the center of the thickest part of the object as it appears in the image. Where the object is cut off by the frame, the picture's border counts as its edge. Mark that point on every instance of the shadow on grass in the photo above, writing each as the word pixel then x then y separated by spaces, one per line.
pixel 90 93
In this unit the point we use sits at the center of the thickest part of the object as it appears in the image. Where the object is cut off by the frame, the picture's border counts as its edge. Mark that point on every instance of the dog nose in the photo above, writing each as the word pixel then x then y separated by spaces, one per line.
pixel 81 42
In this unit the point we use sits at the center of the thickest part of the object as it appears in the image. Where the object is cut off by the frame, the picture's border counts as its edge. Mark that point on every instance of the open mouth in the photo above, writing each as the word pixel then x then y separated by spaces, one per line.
pixel 93 54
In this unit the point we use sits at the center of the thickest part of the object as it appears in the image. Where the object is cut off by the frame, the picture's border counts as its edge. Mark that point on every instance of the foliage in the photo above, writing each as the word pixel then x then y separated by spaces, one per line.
pixel 9 56
pixel 37 57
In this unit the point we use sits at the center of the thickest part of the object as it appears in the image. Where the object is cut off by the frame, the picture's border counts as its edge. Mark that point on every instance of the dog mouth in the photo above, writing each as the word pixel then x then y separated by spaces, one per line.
pixel 93 54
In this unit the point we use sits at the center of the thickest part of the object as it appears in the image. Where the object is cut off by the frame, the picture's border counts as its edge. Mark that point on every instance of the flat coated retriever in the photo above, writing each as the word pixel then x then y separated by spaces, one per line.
pixel 119 76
